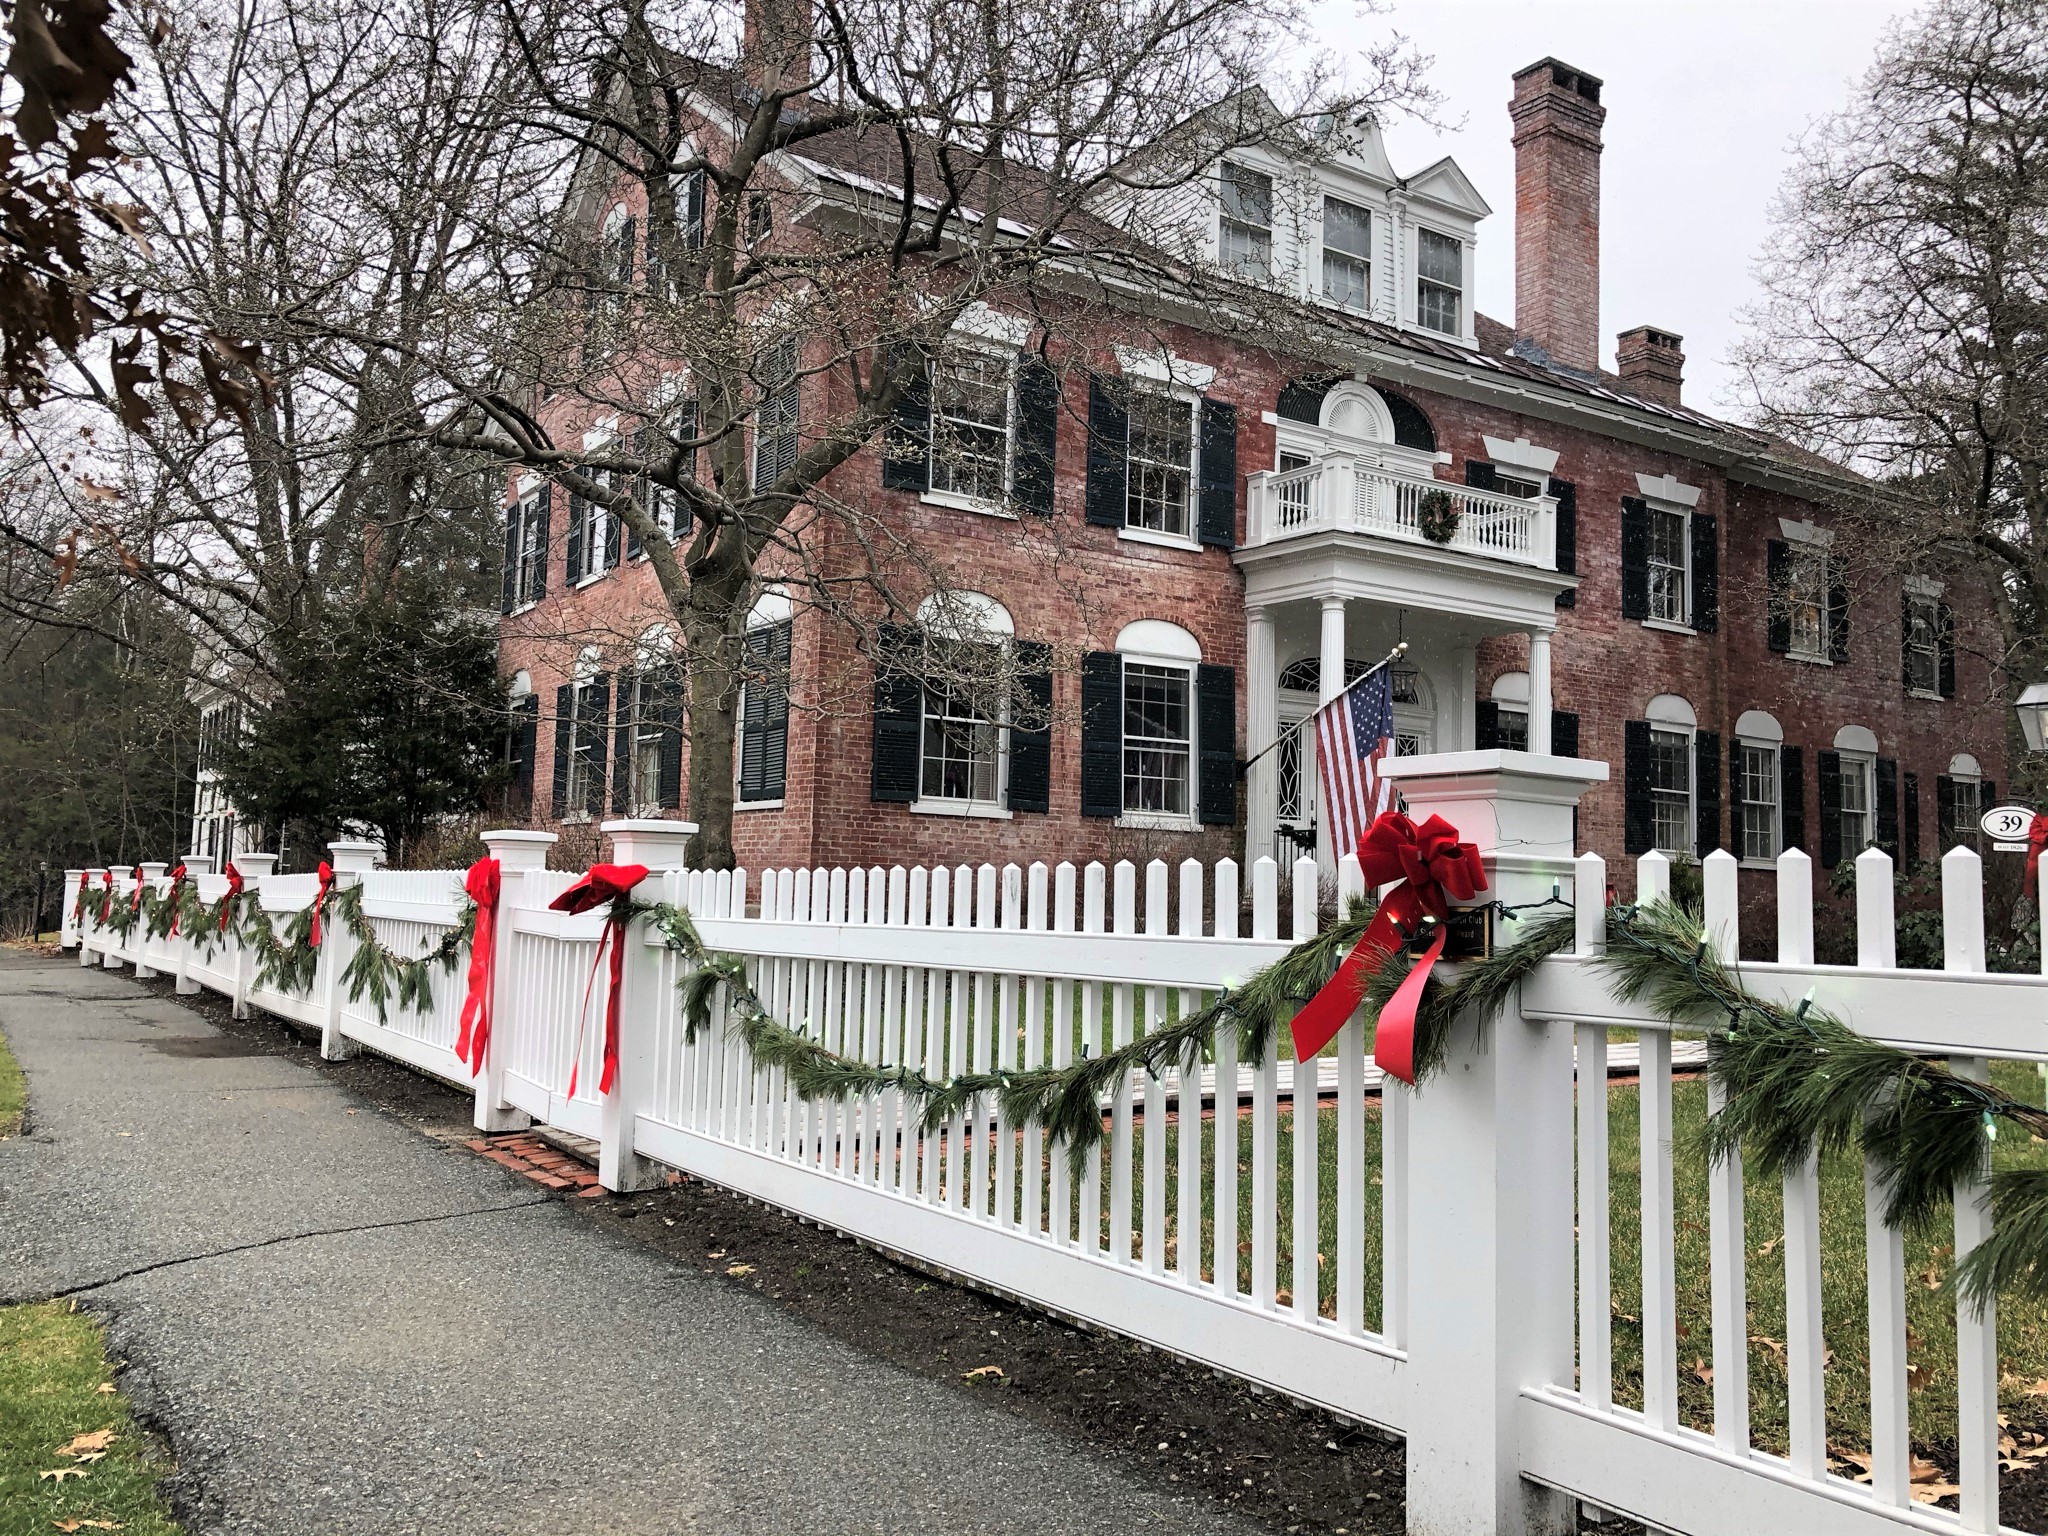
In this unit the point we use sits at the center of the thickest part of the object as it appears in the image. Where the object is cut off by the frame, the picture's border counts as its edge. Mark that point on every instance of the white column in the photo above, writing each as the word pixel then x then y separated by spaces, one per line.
pixel 1330 683
pixel 1262 728
pixel 254 869
pixel 644 1004
pixel 516 853
pixel 139 934
pixel 1539 690
pixel 1464 706
pixel 352 861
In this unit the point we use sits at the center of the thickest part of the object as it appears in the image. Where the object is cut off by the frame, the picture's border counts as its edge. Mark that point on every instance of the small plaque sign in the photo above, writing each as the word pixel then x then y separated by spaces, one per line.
pixel 1469 934
pixel 2007 826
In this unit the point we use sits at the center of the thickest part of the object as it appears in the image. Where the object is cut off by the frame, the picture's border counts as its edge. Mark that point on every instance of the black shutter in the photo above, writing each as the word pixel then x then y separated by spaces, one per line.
pixel 1564 733
pixel 1109 446
pixel 642 491
pixel 669 703
pixel 1217 522
pixel 1945 619
pixel 1031 745
pixel 1792 797
pixel 1036 448
pixel 1706 792
pixel 508 596
pixel 591 729
pixel 1909 823
pixel 1944 814
pixel 1830 809
pixel 693 211
pixel 1706 573
pixel 1481 476
pixel 622 747
pixel 575 571
pixel 1485 726
pixel 1567 495
pixel 628 248
pixel 1639 816
pixel 1102 734
pixel 611 539
pixel 1906 638
pixel 764 719
pixel 1838 620
pixel 1216 742
pixel 1635 558
pixel 1735 799
pixel 899 707
pixel 537 552
pixel 1987 794
pixel 525 741
pixel 565 720
pixel 1777 587
pixel 1888 805
pixel 907 439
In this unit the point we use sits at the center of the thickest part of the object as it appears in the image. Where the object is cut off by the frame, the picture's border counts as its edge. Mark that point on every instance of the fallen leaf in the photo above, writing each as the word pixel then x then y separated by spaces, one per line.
pixel 1283 1298
pixel 1917 1376
pixel 1921 1470
pixel 716 1253
pixel 1931 1277
pixel 739 1271
pixel 1854 1459
pixel 1775 1346
pixel 1765 1250
pixel 98 1440
pixel 983 1373
pixel 58 1474
pixel 2038 1389
pixel 1682 1332
pixel 1704 1371
pixel 1927 1493
pixel 105 1386
pixel 88 1525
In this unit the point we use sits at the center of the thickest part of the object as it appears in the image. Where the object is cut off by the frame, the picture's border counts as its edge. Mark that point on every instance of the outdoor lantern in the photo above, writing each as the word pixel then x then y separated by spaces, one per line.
pixel 2033 708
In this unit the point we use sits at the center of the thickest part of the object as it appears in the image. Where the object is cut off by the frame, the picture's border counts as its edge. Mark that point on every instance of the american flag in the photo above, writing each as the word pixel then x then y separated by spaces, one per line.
pixel 1354 735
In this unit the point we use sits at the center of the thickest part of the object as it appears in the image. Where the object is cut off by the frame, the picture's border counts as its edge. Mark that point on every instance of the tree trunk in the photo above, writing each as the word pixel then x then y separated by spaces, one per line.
pixel 714 647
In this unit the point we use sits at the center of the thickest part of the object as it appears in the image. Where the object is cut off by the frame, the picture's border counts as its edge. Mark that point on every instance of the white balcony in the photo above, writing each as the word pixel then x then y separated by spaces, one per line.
pixel 1343 494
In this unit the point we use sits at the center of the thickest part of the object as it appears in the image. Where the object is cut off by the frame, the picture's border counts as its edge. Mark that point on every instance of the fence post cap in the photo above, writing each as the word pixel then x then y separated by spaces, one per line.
pixel 657 843
pixel 255 865
pixel 198 863
pixel 355 856
pixel 154 871
pixel 520 850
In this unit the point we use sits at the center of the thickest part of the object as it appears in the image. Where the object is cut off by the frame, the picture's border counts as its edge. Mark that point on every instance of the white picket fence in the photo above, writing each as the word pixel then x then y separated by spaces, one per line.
pixel 1451 1283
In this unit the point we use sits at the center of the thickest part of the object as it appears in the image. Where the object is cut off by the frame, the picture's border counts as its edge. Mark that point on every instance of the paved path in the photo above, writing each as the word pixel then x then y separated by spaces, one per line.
pixel 346 1327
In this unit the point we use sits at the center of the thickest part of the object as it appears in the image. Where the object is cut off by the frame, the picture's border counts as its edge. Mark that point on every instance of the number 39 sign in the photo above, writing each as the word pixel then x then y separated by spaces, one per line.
pixel 2008 825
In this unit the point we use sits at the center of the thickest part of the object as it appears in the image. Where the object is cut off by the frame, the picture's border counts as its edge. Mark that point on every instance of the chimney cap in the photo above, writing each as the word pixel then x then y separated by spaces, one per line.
pixel 1567 77
pixel 1652 336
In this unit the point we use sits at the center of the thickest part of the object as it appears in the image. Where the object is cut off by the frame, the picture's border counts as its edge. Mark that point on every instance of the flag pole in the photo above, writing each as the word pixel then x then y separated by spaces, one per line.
pixel 1387 660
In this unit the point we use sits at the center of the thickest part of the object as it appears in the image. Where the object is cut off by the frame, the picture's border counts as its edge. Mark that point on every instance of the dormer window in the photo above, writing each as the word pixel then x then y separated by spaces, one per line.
pixel 1245 239
pixel 1439 283
pixel 1347 254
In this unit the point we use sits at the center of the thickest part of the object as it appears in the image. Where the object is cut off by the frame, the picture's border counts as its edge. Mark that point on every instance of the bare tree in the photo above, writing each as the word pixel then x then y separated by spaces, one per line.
pixel 1905 324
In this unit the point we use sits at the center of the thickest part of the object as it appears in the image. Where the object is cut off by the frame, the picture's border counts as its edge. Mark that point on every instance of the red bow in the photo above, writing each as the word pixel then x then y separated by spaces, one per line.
pixel 605 884
pixel 107 898
pixel 475 1040
pixel 78 902
pixel 177 879
pixel 320 901
pixel 2037 839
pixel 1437 869
pixel 227 902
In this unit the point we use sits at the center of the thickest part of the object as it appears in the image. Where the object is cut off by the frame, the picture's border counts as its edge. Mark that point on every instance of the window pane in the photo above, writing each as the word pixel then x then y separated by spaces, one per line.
pixel 1923 663
pixel 1858 830
pixel 1245 236
pixel 1161 459
pixel 1807 600
pixel 961 749
pixel 1514 731
pixel 1156 739
pixel 1247 195
pixel 1969 807
pixel 1759 802
pixel 1671 789
pixel 1346 281
pixel 971 427
pixel 1440 259
pixel 1347 228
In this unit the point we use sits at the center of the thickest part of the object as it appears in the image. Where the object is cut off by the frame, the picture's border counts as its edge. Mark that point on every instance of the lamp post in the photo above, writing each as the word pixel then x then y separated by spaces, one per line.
pixel 2032 708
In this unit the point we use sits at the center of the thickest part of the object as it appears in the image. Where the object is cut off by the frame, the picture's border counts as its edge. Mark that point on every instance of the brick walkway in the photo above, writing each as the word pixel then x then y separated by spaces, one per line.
pixel 526 1154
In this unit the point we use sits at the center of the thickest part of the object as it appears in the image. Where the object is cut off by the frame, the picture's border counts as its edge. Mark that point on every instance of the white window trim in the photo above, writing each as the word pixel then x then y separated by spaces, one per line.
pixel 980 810
pixel 1522 456
pixel 1375 219
pixel 996 808
pixel 992 350
pixel 1814 549
pixel 1156 365
pixel 1866 762
pixel 1682 509
pixel 1920 590
pixel 1692 786
pixel 1161 821
pixel 1190 396
pixel 1465 321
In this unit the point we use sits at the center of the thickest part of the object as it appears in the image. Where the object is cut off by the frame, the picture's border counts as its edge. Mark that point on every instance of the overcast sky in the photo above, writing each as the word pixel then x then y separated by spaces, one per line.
pixel 1703 99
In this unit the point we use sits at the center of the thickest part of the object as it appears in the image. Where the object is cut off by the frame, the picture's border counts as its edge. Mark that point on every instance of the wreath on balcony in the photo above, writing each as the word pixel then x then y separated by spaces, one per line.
pixel 1438 517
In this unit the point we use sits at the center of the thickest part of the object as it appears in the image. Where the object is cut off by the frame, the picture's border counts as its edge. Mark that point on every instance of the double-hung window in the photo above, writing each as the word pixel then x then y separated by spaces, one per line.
pixel 1670 547
pixel 644 739
pixel 970 446
pixel 961 749
pixel 1245 237
pixel 586 750
pixel 1439 283
pixel 1969 804
pixel 1757 766
pixel 1923 644
pixel 529 569
pixel 775 420
pixel 1806 604
pixel 1671 764
pixel 1159 489
pixel 1859 819
pixel 1158 741
pixel 1347 254
pixel 1512 729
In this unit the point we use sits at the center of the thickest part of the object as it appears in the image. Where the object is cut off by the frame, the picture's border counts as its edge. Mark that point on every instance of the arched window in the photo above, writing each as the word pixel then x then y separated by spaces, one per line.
pixel 1959 803
pixel 1673 789
pixel 1757 781
pixel 1159 663
pixel 963 733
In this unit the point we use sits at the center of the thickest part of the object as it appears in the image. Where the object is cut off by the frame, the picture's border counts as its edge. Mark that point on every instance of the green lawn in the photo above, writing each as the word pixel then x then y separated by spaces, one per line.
pixel 71 1458
pixel 13 1092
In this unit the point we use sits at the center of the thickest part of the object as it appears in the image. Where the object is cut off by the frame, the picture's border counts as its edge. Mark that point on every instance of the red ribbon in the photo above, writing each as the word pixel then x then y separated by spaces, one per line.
pixel 227 902
pixel 606 884
pixel 177 879
pixel 320 901
pixel 2037 839
pixel 475 1040
pixel 107 898
pixel 78 902
pixel 1436 869
pixel 138 887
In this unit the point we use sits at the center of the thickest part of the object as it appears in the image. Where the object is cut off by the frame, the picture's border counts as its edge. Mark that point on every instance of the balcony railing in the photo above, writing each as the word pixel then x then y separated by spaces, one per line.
pixel 1340 494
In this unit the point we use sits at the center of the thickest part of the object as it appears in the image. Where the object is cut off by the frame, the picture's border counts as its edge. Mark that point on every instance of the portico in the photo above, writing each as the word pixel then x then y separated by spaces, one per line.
pixel 1358 549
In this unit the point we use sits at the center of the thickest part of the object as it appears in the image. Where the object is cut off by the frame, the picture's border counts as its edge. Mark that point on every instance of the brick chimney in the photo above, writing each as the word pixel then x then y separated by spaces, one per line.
pixel 1650 362
pixel 1557 116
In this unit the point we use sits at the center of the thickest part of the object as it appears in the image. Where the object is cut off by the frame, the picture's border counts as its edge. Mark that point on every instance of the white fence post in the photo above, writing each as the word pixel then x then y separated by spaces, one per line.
pixel 1491 1302
pixel 138 936
pixel 196 864
pixel 516 853
pixel 91 920
pixel 67 924
pixel 351 861
pixel 254 869
pixel 661 846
